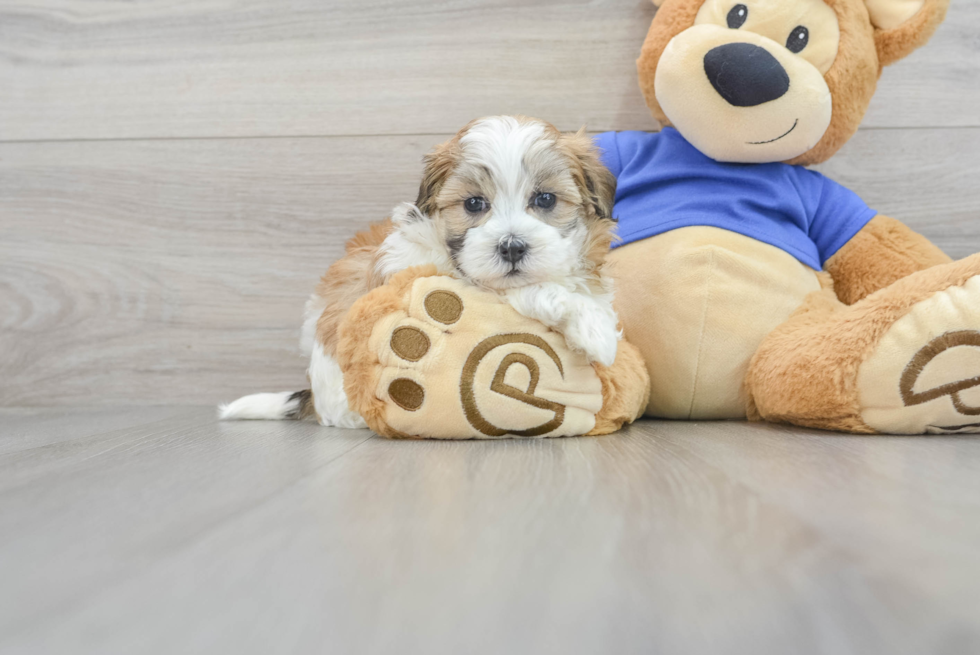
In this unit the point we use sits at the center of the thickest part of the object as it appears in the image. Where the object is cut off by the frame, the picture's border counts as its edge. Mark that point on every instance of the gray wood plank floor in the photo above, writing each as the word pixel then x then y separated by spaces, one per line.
pixel 161 530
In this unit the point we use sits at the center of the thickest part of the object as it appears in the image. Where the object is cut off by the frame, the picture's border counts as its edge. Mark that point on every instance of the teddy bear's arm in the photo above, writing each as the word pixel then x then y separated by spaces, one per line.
pixel 884 251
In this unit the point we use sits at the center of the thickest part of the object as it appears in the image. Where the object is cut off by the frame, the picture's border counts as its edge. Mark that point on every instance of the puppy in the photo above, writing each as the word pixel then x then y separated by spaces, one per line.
pixel 511 205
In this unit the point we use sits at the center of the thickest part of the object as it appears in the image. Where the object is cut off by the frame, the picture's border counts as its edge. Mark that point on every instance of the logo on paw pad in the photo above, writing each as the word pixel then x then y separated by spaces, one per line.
pixel 412 343
pixel 916 369
pixel 468 395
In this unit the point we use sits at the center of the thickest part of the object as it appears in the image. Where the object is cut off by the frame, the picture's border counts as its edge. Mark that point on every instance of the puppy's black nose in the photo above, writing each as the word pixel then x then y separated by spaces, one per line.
pixel 745 75
pixel 512 249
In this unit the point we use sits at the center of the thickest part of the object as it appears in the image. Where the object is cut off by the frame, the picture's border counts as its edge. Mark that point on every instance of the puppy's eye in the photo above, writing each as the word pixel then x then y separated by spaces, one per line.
pixel 737 16
pixel 476 205
pixel 544 200
pixel 798 39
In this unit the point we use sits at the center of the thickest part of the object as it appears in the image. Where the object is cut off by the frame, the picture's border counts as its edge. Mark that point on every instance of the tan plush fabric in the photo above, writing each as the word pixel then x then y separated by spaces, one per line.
pixel 697 302
pixel 431 356
pixel 739 134
pixel 770 18
pixel 807 371
pixel 888 14
pixel 939 382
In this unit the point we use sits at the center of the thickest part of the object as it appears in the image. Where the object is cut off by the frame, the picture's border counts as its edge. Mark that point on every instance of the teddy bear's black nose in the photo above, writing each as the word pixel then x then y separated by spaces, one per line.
pixel 745 75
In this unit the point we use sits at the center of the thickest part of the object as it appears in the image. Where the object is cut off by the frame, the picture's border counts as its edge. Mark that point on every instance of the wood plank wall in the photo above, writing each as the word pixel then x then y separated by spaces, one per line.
pixel 174 175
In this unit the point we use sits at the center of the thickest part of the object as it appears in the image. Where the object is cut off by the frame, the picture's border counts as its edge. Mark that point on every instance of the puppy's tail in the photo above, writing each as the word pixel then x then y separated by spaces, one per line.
pixel 287 405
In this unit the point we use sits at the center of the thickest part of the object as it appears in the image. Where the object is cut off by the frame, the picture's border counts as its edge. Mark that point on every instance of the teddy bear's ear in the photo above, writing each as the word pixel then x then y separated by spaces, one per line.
pixel 901 26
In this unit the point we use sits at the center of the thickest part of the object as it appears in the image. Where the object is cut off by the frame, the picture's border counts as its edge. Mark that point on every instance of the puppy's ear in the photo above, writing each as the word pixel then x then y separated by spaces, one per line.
pixel 597 184
pixel 439 164
pixel 901 26
pixel 406 213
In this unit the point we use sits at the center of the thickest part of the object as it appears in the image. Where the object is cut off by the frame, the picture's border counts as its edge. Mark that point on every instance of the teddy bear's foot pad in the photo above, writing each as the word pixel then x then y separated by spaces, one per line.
pixel 924 374
pixel 449 361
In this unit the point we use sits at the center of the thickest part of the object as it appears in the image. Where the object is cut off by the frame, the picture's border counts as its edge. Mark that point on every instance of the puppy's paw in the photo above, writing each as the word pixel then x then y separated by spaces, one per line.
pixel 549 303
pixel 594 333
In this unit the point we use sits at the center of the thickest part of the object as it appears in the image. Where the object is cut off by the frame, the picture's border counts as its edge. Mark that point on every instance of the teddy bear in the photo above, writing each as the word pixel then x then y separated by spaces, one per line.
pixel 747 285
pixel 754 287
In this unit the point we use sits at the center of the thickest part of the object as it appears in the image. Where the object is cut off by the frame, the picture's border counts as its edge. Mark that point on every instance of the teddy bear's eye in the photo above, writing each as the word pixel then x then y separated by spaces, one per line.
pixel 737 16
pixel 798 39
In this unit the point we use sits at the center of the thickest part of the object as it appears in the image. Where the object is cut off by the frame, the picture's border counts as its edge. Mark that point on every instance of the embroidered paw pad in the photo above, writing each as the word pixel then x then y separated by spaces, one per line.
pixel 457 362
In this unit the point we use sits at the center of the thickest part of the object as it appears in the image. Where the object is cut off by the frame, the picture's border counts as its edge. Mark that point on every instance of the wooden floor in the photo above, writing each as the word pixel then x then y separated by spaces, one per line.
pixel 160 530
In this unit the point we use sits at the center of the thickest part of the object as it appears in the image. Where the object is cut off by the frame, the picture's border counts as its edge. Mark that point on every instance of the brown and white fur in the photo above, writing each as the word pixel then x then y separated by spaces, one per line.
pixel 510 204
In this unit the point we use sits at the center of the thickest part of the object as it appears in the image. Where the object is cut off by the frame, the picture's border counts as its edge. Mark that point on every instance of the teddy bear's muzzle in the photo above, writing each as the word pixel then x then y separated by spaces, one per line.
pixel 741 97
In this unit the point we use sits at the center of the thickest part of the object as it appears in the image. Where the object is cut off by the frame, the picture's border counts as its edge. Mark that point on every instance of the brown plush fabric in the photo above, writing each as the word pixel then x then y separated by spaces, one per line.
pixel 883 252
pixel 899 42
pixel 359 363
pixel 625 390
pixel 852 80
pixel 806 371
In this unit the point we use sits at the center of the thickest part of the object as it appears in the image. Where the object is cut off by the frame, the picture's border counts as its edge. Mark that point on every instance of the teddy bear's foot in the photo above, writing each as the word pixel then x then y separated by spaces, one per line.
pixel 933 353
pixel 432 356
pixel 905 360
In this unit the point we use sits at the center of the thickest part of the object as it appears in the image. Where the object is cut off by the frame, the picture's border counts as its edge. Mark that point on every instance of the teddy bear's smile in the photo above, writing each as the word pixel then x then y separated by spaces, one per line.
pixel 786 133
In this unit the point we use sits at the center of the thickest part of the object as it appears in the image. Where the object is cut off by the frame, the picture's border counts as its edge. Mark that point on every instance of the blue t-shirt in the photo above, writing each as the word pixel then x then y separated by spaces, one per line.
pixel 665 183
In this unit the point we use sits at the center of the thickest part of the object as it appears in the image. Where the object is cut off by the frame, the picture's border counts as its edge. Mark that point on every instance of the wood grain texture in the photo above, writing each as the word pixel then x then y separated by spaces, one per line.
pixel 127 267
pixel 25 429
pixel 176 271
pixel 186 535
pixel 170 68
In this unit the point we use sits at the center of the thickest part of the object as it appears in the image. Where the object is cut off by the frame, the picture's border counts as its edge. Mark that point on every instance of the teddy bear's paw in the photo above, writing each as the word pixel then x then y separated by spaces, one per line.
pixel 924 374
pixel 457 362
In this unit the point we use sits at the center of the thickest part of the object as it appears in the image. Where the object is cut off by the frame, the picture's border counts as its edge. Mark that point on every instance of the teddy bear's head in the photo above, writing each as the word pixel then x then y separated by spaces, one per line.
pixel 757 81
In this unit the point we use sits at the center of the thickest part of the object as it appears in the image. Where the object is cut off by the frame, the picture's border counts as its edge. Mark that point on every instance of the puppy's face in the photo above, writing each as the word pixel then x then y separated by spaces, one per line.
pixel 516 202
